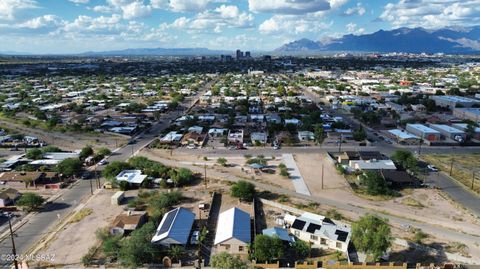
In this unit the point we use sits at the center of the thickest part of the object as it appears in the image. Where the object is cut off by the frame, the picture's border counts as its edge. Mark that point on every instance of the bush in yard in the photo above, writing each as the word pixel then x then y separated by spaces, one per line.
pixel 87 259
pixel 123 185
pixel 30 201
pixel 227 261
pixel 222 161
pixel 181 176
pixel 243 190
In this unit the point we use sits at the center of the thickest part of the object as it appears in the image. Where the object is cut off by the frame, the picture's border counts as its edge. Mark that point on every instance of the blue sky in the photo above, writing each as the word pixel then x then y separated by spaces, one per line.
pixel 72 26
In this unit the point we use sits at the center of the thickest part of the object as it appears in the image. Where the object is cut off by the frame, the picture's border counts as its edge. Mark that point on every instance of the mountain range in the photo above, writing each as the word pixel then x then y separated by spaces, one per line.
pixel 460 40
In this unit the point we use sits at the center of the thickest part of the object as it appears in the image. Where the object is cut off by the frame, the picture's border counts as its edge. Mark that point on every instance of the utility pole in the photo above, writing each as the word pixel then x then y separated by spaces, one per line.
pixel 420 146
pixel 451 166
pixel 473 178
pixel 205 175
pixel 91 186
pixel 322 175
pixel 132 150
pixel 340 143
pixel 14 250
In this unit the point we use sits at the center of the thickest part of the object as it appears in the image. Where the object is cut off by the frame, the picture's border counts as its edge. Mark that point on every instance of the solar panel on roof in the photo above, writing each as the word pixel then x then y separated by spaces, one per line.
pixel 298 224
pixel 167 223
pixel 313 227
pixel 327 220
pixel 342 236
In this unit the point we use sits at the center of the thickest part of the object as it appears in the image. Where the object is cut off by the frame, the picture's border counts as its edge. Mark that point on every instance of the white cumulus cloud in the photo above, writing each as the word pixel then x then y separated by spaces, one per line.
pixel 8 8
pixel 432 13
pixel 288 6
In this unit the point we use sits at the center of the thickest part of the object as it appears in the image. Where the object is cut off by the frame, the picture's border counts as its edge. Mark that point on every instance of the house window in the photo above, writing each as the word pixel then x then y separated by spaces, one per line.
pixel 227 247
pixel 339 245
pixel 240 248
pixel 313 237
pixel 323 241
pixel 296 233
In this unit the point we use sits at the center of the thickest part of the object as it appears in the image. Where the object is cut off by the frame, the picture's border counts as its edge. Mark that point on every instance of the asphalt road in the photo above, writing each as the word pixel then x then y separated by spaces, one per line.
pixel 43 222
pixel 40 224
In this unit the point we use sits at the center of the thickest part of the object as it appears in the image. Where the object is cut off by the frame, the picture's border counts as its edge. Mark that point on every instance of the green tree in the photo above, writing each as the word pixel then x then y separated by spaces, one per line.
pixel 243 190
pixel 137 249
pixel 406 159
pixel 86 152
pixel 227 261
pixel 34 154
pixel 69 167
pixel 372 235
pixel 267 248
pixel 114 168
pixel 103 152
pixel 319 134
pixel 360 134
pixel 302 249
pixel 181 176
pixel 30 201
pixel 374 183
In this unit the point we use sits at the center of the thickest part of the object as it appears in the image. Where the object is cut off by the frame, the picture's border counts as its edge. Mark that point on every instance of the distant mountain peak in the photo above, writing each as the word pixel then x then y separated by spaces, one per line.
pixel 453 40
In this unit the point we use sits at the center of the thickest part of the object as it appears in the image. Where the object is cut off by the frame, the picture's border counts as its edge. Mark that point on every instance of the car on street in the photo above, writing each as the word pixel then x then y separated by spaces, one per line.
pixel 103 162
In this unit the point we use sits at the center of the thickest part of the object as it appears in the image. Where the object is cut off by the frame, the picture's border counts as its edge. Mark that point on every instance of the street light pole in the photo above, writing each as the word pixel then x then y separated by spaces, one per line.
pixel 14 251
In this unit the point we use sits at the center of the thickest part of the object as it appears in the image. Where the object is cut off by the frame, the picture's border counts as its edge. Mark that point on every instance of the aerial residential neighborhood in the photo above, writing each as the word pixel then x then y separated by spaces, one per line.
pixel 240 134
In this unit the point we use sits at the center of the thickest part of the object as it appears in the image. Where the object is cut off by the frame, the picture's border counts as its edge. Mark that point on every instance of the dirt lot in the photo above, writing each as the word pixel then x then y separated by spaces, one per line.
pixel 463 167
pixel 426 205
pixel 76 238
pixel 69 141
pixel 236 165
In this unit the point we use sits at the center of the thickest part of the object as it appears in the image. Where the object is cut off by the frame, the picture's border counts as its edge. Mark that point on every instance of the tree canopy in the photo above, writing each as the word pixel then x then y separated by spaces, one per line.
pixel 243 190
pixel 372 235
pixel 31 201
pixel 374 183
pixel 70 167
pixel 267 248
pixel 114 168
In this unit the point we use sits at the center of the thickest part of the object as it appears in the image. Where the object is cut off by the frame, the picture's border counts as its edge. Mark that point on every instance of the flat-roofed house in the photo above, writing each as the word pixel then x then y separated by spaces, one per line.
pixel 233 232
pixel 175 227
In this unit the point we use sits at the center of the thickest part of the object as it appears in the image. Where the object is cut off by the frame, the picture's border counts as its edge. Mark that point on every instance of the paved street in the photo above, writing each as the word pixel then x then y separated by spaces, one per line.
pixel 39 225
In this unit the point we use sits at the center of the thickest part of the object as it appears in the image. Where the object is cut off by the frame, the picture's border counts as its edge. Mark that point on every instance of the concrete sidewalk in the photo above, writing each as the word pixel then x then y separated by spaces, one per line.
pixel 297 179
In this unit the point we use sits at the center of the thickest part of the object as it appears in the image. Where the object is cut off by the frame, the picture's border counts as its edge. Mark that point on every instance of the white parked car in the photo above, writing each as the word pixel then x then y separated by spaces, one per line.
pixel 432 168
pixel 195 236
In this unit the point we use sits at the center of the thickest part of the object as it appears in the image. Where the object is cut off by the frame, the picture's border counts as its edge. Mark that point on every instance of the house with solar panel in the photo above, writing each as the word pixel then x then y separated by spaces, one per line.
pixel 175 227
pixel 320 231
pixel 233 232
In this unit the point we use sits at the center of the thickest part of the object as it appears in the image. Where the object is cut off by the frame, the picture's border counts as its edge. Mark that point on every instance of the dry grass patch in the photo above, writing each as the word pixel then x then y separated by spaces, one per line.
pixel 80 215
pixel 412 202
